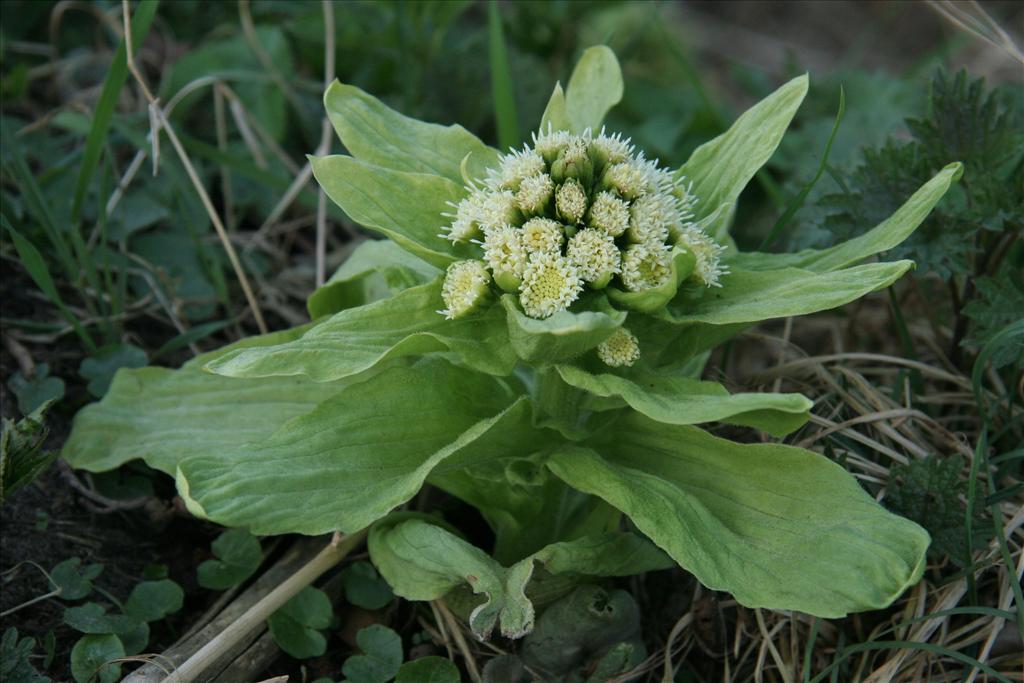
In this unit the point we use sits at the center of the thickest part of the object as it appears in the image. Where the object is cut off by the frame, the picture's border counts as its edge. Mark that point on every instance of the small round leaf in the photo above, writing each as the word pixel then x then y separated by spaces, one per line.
pixel 238 556
pixel 90 655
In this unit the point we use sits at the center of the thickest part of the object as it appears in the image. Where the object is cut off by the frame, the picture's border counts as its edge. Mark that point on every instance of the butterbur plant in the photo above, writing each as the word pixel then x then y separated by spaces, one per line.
pixel 529 338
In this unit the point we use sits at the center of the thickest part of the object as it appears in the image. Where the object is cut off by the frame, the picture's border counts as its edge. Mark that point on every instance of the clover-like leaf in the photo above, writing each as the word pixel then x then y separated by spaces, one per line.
pixel 358 339
pixel 35 391
pixel 74 580
pixel 91 659
pixel 364 587
pixel 100 367
pixel 381 658
pixel 777 526
pixel 238 556
pixel 154 600
pixel 428 670
pixel 296 626
pixel 93 618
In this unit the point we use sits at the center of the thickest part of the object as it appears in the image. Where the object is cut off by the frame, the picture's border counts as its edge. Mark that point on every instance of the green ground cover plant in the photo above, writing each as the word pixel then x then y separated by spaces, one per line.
pixel 557 400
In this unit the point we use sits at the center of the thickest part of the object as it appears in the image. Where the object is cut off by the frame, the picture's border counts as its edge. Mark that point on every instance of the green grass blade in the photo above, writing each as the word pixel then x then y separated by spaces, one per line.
pixel 40 274
pixel 799 200
pixel 937 650
pixel 116 78
pixel 812 638
pixel 190 336
pixel 501 82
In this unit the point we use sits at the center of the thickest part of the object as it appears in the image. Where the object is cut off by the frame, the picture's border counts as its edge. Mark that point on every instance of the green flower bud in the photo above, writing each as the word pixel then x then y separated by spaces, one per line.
pixel 548 145
pixel 571 201
pixel 621 349
pixel 627 179
pixel 534 194
pixel 573 162
pixel 465 288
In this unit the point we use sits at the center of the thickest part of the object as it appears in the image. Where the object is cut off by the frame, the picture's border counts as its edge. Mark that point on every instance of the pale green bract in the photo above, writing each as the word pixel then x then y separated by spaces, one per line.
pixel 556 421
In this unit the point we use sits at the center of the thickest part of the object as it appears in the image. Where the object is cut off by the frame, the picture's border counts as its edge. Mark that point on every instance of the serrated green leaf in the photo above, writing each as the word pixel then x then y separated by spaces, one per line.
pixel 406 207
pixel 359 454
pixel 594 87
pixel 22 456
pixel 296 626
pixel 358 339
pixel 99 368
pixel 722 167
pixel 238 556
pixel 675 399
pixel 376 270
pixel 777 526
pixel 423 561
pixel 564 335
pixel 154 600
pixel 93 618
pixel 428 670
pixel 364 587
pixel 381 658
pixel 90 657
pixel 753 296
pixel 377 134
pixel 74 580
pixel 884 236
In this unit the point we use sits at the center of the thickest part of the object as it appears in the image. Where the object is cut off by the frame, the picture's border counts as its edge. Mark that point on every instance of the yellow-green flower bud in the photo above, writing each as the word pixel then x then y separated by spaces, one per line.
pixel 571 201
pixel 609 213
pixel 573 162
pixel 551 283
pixel 466 221
pixel 650 217
pixel 645 266
pixel 542 236
pixel 609 149
pixel 465 288
pixel 621 349
pixel 515 167
pixel 595 256
pixel 626 178
pixel 534 194
pixel 549 144
pixel 506 257
pixel 498 210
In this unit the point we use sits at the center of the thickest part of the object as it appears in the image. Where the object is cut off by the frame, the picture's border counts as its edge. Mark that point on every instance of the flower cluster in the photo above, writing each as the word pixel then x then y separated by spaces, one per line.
pixel 572 212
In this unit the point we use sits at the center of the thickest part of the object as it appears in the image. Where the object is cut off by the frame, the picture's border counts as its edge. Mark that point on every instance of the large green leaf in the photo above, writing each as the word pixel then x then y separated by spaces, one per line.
pixel 594 87
pixel 423 561
pixel 377 134
pixel 375 270
pixel 162 415
pixel 676 399
pixel 722 167
pixel 358 455
pixel 777 526
pixel 752 296
pixel 357 339
pixel 884 236
pixel 564 335
pixel 406 207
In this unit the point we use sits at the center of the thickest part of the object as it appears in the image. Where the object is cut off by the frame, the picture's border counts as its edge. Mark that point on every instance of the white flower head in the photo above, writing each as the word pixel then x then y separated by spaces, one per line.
pixel 645 266
pixel 611 149
pixel 549 144
pixel 609 213
pixel 514 168
pixel 595 256
pixel 551 283
pixel 628 178
pixel 534 193
pixel 465 288
pixel 498 210
pixel 621 349
pixel 571 201
pixel 506 256
pixel 651 216
pixel 542 236
pixel 707 255
pixel 466 221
